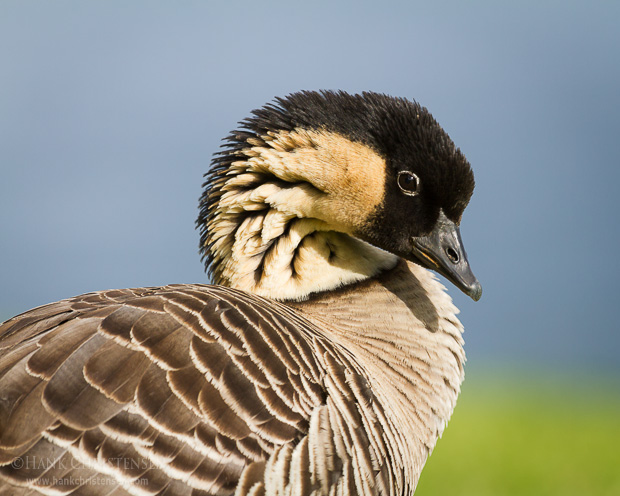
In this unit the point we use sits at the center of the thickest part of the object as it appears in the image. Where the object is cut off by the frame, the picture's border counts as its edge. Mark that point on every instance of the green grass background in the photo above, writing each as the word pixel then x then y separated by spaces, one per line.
pixel 529 434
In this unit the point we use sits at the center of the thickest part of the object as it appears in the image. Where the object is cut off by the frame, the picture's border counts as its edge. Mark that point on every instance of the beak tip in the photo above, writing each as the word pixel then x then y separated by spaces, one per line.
pixel 474 291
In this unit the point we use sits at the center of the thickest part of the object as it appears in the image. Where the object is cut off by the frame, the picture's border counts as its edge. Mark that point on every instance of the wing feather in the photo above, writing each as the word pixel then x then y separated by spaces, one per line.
pixel 116 371
pixel 186 389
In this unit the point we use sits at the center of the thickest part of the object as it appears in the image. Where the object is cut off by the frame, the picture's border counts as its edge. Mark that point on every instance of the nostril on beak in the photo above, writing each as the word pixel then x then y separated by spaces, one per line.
pixel 452 254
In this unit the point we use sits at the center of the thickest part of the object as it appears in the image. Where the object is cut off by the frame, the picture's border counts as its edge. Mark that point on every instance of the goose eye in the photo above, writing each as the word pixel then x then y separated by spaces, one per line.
pixel 409 183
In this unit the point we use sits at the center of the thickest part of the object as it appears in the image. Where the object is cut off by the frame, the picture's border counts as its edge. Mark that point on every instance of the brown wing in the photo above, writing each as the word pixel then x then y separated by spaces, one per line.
pixel 185 389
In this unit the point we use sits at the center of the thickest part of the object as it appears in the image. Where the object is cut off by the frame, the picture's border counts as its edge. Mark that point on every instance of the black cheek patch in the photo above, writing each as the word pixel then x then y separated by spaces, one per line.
pixel 396 220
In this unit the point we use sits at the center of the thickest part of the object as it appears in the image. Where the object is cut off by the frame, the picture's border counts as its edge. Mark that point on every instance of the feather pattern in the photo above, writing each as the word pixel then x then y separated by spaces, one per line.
pixel 320 365
pixel 254 397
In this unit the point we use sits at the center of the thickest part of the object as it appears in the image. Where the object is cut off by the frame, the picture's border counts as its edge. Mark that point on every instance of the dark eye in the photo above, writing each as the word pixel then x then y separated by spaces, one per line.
pixel 409 183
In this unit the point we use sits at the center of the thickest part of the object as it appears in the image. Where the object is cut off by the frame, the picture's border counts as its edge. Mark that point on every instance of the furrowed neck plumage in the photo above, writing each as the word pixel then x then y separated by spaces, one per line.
pixel 275 221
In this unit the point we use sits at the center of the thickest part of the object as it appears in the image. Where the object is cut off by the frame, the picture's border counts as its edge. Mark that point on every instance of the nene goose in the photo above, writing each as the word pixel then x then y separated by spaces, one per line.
pixel 327 359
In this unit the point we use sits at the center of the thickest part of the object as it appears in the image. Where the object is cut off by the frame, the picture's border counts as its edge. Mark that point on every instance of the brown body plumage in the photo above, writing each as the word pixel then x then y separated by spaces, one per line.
pixel 322 363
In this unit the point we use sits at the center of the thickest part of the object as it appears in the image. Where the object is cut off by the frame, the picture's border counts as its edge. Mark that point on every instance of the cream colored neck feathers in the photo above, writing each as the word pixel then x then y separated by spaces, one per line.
pixel 287 208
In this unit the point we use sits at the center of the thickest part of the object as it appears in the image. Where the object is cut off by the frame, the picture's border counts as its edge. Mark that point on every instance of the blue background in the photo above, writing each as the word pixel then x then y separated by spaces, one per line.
pixel 110 112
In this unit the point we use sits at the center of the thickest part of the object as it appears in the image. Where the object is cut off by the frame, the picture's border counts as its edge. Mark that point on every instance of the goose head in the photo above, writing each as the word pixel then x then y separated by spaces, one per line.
pixel 322 189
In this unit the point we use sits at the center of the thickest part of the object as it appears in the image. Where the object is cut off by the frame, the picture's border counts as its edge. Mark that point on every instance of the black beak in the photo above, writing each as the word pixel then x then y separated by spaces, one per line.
pixel 442 250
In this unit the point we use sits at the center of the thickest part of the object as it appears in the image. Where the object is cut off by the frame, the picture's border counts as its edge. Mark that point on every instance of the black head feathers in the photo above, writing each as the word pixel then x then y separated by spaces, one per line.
pixel 400 130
